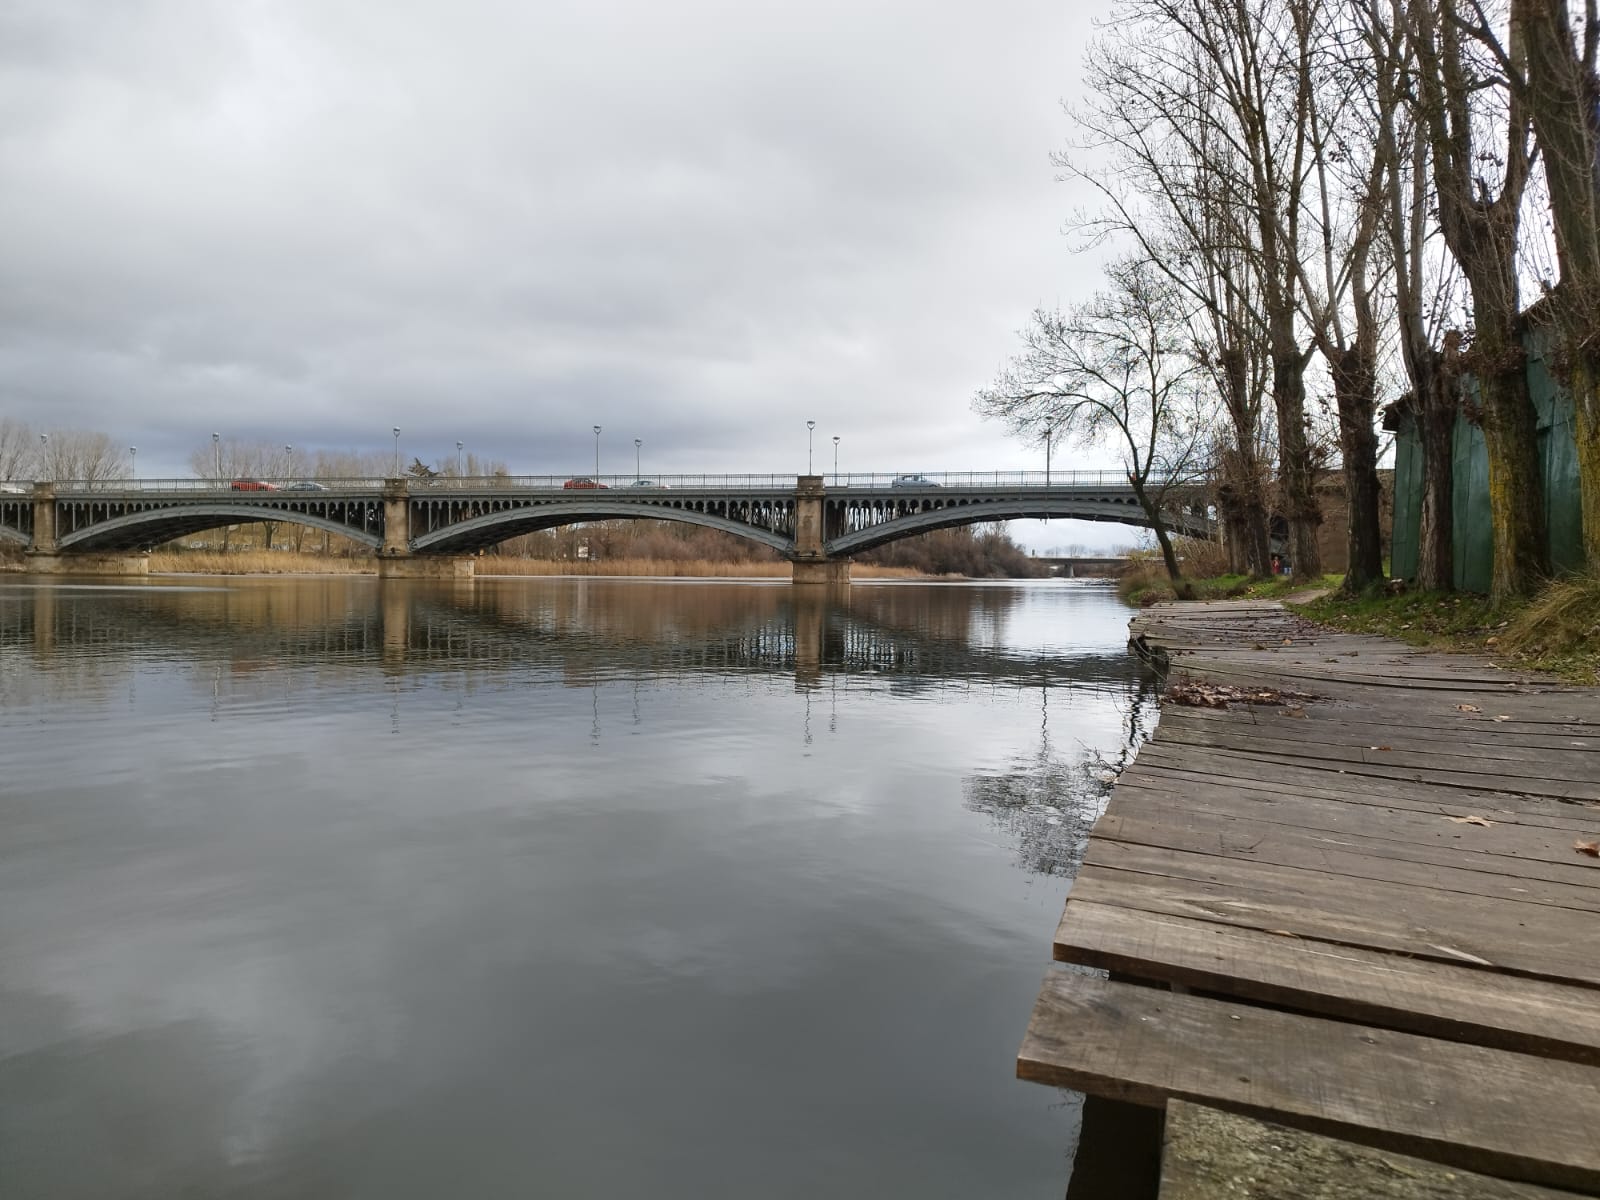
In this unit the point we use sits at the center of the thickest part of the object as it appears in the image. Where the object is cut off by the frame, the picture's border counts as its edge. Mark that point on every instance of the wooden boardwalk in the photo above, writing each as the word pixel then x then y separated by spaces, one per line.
pixel 1369 913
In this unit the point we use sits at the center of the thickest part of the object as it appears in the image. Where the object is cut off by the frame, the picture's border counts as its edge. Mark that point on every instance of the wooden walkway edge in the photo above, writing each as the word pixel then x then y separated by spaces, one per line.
pixel 1368 913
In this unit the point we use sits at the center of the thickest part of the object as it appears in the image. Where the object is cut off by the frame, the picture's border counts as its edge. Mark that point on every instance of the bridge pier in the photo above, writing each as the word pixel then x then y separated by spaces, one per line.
pixel 426 566
pixel 811 563
pixel 831 571
pixel 41 562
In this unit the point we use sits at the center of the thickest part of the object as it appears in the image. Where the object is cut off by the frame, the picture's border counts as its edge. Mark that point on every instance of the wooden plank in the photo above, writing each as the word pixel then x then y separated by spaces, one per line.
pixel 1539 765
pixel 1237 819
pixel 1208 1154
pixel 1407 863
pixel 1248 769
pixel 1337 725
pixel 1485 1110
pixel 1442 1000
pixel 1443 927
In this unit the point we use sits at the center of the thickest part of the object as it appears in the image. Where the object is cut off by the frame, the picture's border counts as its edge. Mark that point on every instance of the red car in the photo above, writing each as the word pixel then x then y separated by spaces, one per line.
pixel 253 485
pixel 582 481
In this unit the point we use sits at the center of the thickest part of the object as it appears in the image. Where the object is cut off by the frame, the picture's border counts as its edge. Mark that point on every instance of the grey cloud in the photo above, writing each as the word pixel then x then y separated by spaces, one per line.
pixel 697 223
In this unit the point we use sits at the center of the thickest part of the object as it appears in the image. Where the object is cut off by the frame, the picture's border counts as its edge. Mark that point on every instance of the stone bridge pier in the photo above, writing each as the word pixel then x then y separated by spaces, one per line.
pixel 395 559
pixel 44 555
pixel 811 562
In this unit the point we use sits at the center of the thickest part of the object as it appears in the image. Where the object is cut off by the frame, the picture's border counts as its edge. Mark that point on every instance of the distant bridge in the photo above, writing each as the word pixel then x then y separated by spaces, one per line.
pixel 432 528
pixel 1084 568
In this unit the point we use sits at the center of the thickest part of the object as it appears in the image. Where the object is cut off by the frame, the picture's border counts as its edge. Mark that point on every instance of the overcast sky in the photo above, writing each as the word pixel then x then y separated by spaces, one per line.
pixel 691 222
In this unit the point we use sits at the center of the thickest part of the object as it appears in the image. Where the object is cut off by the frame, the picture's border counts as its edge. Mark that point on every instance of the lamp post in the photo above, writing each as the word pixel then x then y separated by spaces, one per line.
pixel 1047 432
pixel 396 432
pixel 836 460
pixel 637 442
pixel 810 425
pixel 597 454
pixel 133 453
pixel 216 453
pixel 44 452
pixel 289 450
pixel 458 458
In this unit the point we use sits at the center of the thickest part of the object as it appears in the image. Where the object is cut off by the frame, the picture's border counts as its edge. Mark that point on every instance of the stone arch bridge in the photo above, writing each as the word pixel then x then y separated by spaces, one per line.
pixel 434 528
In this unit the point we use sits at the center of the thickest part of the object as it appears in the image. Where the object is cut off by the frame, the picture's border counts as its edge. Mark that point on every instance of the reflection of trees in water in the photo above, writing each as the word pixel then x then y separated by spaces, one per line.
pixel 1047 801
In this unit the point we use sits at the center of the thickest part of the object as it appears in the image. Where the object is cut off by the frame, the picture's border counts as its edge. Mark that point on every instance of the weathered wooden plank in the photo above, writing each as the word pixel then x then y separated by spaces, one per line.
pixel 1456 1003
pixel 1340 855
pixel 1486 1110
pixel 1336 725
pixel 1258 770
pixel 1524 939
pixel 1238 820
pixel 1280 741
pixel 1208 1154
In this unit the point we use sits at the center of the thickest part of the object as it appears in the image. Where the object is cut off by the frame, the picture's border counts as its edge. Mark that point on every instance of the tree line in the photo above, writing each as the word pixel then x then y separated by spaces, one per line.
pixel 1311 206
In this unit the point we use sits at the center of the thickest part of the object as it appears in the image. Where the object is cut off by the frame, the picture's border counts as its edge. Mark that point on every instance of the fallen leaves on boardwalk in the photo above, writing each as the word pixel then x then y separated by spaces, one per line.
pixel 1220 695
pixel 1592 849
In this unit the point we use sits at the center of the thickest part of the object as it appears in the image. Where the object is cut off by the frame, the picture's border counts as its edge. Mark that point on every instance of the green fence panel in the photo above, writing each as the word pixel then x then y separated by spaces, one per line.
pixel 1473 540
pixel 1558 461
pixel 1407 539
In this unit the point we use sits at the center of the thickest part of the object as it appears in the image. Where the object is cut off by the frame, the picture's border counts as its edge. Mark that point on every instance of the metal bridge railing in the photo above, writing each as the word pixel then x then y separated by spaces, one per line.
pixel 889 481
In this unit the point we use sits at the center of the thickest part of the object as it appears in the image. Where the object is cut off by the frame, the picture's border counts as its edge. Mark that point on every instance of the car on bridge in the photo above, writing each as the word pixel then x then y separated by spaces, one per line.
pixel 308 485
pixel 912 481
pixel 253 485
pixel 582 481
pixel 648 483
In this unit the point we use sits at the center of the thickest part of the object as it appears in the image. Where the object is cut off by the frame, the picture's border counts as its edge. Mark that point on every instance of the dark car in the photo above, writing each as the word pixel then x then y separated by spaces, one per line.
pixel 582 481
pixel 253 485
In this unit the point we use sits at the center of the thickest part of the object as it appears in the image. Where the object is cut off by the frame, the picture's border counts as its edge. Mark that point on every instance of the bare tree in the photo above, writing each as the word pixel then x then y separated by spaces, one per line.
pixel 1116 370
pixel 1152 142
pixel 1407 198
pixel 1480 215
pixel 1562 92
pixel 19 451
pixel 81 456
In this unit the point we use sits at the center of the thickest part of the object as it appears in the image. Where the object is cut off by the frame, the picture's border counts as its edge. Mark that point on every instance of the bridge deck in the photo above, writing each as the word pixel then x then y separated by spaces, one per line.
pixel 1378 894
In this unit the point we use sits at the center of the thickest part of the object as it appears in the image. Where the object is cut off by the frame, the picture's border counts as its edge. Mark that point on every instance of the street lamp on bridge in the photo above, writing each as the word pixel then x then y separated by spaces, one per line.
pixel 458 457
pixel 1047 432
pixel 597 454
pixel 396 432
pixel 289 450
pixel 836 460
pixel 133 454
pixel 810 425
pixel 637 443
pixel 216 453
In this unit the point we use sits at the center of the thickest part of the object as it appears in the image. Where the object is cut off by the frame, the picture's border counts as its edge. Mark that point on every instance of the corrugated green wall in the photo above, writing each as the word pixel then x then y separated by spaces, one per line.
pixel 1474 552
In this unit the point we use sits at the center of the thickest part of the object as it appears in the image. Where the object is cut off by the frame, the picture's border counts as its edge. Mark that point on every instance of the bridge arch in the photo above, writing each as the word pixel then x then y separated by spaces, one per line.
pixel 134 531
pixel 941 513
pixel 8 534
pixel 495 527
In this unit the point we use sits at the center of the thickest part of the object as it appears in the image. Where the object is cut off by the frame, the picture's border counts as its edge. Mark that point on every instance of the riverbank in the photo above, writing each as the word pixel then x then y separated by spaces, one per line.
pixel 1349 887
pixel 289 563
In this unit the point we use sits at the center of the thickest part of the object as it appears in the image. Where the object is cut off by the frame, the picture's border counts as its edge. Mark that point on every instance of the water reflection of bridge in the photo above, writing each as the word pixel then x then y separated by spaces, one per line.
pixel 920 638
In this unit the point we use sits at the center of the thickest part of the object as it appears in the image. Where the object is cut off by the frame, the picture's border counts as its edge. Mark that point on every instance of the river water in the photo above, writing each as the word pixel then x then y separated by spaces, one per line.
pixel 327 888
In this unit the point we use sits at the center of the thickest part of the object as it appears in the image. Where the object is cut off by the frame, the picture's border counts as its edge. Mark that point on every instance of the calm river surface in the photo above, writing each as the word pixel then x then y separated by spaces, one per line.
pixel 322 888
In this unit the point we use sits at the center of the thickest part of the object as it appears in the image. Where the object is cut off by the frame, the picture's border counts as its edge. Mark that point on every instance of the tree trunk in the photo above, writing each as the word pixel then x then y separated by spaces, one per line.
pixel 1294 456
pixel 1158 526
pixel 1516 489
pixel 1355 392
